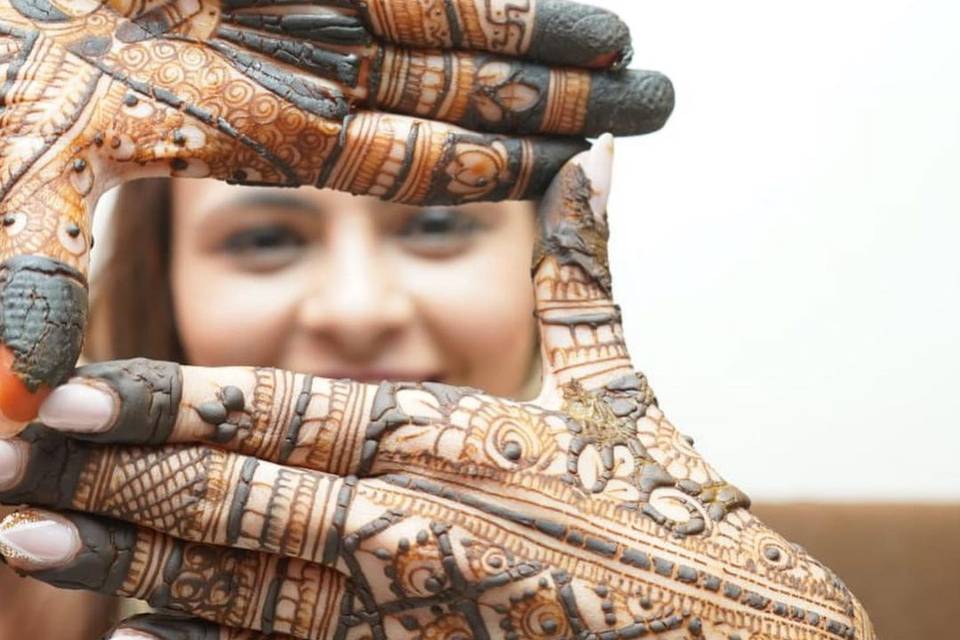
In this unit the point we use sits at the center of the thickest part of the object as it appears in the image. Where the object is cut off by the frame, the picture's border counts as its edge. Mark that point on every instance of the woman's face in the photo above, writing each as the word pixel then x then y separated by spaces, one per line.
pixel 341 286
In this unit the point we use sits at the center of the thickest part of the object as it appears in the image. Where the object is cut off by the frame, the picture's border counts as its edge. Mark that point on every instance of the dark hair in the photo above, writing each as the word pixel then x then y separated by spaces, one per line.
pixel 132 311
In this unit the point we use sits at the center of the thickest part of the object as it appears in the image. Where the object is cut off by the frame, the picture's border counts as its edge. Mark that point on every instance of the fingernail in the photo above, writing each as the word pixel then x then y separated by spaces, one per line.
pixel 77 407
pixel 33 540
pixel 600 172
pixel 11 464
pixel 129 634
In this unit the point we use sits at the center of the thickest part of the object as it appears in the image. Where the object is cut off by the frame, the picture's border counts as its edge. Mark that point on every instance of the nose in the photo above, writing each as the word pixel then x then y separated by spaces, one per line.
pixel 358 305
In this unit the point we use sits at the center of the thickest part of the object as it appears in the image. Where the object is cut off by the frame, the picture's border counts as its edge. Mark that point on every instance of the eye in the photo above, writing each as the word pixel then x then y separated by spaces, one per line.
pixel 264 248
pixel 439 232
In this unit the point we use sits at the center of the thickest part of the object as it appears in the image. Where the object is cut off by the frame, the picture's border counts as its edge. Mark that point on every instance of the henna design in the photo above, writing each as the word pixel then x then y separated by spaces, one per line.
pixel 422 511
pixel 43 309
pixel 553 31
pixel 582 334
pixel 278 92
pixel 150 393
pixel 522 547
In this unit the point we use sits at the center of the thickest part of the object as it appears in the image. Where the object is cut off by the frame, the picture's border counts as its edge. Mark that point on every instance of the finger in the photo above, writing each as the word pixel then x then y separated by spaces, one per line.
pixel 474 90
pixel 553 31
pixel 270 414
pixel 580 326
pixel 488 93
pixel 43 307
pixel 334 426
pixel 210 124
pixel 231 587
pixel 423 162
pixel 194 493
pixel 166 627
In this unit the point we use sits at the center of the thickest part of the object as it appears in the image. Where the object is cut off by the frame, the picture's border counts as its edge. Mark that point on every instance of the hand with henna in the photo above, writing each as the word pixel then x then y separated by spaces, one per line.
pixel 265 503
pixel 416 101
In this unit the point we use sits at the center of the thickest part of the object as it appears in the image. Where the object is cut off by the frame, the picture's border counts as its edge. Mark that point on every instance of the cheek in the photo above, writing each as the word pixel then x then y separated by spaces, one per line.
pixel 222 316
pixel 479 311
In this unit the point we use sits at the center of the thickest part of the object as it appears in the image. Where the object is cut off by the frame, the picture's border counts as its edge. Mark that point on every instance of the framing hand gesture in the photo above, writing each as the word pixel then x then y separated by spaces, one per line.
pixel 359 96
pixel 266 502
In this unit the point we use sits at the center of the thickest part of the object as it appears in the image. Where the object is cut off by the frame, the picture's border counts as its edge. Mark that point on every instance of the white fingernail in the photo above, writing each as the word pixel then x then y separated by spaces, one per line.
pixel 600 172
pixel 130 634
pixel 77 407
pixel 33 540
pixel 11 464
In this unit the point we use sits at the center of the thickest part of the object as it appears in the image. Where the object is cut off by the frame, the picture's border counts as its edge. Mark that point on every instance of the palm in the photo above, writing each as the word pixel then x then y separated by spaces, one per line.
pixel 426 511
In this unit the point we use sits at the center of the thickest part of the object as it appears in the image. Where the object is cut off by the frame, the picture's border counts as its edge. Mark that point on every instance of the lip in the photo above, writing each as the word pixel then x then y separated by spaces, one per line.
pixel 376 376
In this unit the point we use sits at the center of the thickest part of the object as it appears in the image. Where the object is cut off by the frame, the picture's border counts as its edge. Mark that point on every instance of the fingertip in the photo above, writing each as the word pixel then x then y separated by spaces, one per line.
pixel 628 103
pixel 580 35
pixel 43 309
pixel 18 404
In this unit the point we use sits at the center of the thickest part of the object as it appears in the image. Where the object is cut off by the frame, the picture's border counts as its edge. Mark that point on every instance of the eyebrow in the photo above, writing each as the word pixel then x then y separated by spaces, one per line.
pixel 274 200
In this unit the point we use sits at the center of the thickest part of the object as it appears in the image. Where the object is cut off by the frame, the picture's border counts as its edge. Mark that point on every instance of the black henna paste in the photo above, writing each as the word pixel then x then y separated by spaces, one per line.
pixel 241 494
pixel 291 438
pixel 53 469
pixel 629 103
pixel 570 231
pixel 103 562
pixel 40 10
pixel 43 311
pixel 571 34
pixel 149 392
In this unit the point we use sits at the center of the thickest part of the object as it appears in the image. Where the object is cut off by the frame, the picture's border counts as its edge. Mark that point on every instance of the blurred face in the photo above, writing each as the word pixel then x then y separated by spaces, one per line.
pixel 341 286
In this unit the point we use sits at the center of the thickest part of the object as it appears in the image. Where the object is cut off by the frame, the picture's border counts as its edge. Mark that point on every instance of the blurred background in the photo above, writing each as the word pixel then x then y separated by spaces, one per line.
pixel 785 253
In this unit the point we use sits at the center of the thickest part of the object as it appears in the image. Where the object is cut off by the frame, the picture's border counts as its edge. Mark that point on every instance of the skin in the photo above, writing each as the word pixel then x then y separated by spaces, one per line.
pixel 313 508
pixel 268 502
pixel 358 288
pixel 398 100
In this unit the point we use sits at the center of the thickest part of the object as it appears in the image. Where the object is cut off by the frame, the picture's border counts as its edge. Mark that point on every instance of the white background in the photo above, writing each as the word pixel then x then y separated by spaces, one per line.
pixel 785 250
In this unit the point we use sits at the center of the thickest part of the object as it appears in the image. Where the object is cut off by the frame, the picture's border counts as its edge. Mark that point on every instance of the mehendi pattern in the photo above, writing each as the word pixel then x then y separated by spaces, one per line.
pixel 277 503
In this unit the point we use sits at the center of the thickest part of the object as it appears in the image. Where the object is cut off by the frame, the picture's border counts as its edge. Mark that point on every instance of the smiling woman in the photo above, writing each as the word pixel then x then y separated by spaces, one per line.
pixel 321 282
pixel 365 470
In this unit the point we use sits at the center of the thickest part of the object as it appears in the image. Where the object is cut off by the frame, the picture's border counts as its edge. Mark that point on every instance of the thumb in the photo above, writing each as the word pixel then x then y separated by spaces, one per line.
pixel 580 331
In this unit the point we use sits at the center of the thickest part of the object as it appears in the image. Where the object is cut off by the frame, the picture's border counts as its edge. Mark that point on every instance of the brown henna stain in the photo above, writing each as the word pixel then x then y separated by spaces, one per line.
pixel 570 231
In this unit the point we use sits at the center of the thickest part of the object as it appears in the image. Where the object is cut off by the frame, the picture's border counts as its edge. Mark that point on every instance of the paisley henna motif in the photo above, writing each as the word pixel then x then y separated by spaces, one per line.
pixel 425 511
